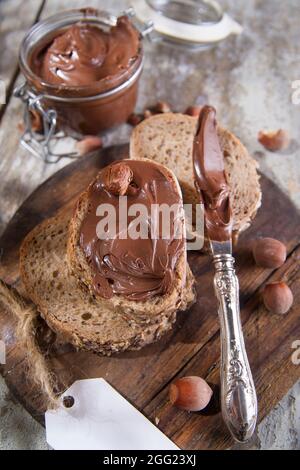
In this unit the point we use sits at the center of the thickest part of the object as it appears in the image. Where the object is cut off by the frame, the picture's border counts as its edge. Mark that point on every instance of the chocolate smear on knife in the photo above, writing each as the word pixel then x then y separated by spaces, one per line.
pixel 210 179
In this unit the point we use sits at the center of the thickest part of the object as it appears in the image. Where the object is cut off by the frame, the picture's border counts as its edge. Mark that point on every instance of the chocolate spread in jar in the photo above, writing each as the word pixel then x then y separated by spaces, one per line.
pixel 210 179
pixel 85 54
pixel 136 268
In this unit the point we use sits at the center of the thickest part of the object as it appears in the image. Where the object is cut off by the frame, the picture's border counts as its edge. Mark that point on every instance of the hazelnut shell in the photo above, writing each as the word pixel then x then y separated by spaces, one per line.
pixel 193 110
pixel 269 253
pixel 274 140
pixel 162 107
pixel 190 393
pixel 278 297
pixel 88 144
pixel 118 178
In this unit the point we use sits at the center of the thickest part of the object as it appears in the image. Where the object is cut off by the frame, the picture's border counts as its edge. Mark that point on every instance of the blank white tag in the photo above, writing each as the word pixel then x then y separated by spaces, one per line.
pixel 101 419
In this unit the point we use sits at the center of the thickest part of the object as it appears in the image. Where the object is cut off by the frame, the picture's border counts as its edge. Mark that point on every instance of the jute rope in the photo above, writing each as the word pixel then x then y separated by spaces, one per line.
pixel 28 317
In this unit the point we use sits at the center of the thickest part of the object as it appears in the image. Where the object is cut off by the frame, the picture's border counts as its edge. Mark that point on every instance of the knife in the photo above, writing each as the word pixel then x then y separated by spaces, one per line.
pixel 238 396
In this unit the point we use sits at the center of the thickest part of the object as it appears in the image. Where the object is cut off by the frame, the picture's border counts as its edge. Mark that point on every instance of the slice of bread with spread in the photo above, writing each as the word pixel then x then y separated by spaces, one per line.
pixel 168 139
pixel 137 311
pixel 59 280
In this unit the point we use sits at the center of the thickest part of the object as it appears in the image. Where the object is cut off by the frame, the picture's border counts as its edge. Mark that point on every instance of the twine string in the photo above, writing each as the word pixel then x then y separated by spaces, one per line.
pixel 28 317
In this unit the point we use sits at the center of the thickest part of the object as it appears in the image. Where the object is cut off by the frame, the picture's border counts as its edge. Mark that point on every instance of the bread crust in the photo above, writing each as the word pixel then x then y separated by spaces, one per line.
pixel 47 264
pixel 145 312
pixel 168 139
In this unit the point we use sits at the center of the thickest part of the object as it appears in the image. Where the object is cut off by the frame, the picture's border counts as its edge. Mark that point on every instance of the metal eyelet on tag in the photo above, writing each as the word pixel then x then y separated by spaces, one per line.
pixel 68 401
pixel 39 145
pixel 100 418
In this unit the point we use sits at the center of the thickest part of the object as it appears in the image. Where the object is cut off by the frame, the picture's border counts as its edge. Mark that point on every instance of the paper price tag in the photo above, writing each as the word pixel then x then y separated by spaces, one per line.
pixel 101 419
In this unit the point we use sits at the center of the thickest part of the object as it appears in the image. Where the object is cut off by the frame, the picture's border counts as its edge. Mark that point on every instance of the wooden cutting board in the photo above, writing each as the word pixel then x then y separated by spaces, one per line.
pixel 193 346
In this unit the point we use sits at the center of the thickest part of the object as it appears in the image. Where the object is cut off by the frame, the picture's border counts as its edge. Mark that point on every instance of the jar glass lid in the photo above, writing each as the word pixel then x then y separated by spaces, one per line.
pixel 187 11
pixel 188 22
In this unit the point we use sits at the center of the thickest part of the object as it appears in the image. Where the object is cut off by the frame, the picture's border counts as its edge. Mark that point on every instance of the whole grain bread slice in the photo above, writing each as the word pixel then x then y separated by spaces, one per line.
pixel 86 322
pixel 139 312
pixel 168 139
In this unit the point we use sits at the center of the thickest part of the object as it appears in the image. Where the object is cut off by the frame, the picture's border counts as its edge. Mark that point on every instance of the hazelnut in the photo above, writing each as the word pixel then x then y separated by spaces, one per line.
pixel 190 393
pixel 89 144
pixel 162 107
pixel 134 119
pixel 278 297
pixel 274 140
pixel 118 178
pixel 148 113
pixel 193 110
pixel 36 121
pixel 21 126
pixel 269 253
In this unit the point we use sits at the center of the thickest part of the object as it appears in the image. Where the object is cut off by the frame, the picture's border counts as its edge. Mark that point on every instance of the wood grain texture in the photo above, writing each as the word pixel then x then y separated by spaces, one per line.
pixel 193 345
pixel 21 172
pixel 17 17
pixel 225 76
pixel 247 78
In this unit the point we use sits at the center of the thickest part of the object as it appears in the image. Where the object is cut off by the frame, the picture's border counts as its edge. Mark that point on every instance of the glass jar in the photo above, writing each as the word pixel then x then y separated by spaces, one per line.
pixel 193 24
pixel 87 109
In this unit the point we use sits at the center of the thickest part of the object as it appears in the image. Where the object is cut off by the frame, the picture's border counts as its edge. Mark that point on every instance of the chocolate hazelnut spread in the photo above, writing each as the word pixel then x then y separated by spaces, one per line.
pixel 210 179
pixel 85 68
pixel 84 54
pixel 135 268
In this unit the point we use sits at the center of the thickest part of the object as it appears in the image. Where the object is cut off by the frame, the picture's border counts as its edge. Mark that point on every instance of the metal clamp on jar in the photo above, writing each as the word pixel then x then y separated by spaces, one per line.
pixel 79 110
pixel 76 110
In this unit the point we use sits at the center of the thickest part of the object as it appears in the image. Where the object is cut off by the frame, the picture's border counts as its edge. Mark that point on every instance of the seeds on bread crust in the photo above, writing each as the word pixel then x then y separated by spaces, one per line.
pixel 168 139
pixel 105 332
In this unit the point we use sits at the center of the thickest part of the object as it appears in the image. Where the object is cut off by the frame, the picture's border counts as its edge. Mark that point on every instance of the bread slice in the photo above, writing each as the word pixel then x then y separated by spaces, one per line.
pixel 140 312
pixel 168 139
pixel 84 321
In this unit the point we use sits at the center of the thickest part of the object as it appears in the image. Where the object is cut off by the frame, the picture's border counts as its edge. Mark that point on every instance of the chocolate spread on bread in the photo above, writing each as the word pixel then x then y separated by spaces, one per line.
pixel 139 268
pixel 83 54
pixel 210 179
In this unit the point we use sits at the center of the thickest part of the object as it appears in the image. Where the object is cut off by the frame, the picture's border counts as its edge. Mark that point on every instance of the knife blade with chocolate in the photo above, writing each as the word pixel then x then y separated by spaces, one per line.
pixel 238 396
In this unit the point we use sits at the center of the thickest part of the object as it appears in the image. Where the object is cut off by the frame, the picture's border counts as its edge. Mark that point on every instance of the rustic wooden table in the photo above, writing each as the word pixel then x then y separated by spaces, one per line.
pixel 248 78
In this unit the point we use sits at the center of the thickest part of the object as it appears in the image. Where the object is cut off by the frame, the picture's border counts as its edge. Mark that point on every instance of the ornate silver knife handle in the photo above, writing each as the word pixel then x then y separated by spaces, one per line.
pixel 238 396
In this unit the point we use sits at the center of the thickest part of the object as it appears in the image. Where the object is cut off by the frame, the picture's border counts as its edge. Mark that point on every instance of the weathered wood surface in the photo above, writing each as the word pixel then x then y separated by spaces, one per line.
pixel 193 346
pixel 16 17
pixel 233 77
pixel 248 78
